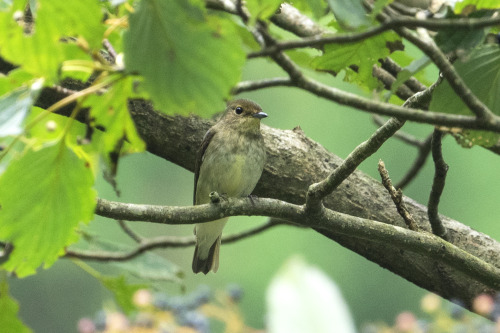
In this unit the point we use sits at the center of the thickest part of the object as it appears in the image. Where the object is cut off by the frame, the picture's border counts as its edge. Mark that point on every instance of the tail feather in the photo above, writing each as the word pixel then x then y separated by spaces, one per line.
pixel 210 263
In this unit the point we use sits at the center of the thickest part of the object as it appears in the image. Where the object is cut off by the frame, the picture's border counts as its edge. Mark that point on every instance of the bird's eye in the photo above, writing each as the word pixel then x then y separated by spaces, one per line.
pixel 238 110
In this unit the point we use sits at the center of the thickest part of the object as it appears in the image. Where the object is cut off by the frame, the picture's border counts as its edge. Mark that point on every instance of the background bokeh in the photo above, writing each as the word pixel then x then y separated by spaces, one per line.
pixel 54 299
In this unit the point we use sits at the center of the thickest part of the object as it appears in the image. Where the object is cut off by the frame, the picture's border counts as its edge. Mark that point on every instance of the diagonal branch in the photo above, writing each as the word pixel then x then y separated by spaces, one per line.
pixel 246 86
pixel 389 24
pixel 352 100
pixel 421 243
pixel 318 191
pixel 447 70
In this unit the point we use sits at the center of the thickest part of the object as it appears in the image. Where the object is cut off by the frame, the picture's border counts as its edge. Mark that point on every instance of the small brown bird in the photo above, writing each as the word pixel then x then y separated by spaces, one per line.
pixel 230 161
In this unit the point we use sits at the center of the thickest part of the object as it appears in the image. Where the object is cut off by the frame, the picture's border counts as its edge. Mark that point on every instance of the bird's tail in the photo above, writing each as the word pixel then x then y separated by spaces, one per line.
pixel 209 263
pixel 206 252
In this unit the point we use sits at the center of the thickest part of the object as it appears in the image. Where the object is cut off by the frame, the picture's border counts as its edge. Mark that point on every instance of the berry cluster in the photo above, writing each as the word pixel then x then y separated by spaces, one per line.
pixel 445 317
pixel 159 312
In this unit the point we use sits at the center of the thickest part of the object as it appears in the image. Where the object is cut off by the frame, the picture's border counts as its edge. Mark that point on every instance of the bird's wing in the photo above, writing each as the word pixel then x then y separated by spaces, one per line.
pixel 199 158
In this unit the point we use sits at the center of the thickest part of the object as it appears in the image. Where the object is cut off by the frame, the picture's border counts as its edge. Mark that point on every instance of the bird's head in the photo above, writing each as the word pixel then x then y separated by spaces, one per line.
pixel 244 114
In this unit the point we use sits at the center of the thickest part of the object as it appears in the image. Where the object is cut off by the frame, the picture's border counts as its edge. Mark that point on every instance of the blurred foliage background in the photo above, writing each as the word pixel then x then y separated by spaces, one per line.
pixel 54 299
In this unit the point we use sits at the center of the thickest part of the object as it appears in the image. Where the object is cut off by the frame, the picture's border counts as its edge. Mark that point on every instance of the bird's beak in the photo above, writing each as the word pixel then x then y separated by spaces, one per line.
pixel 260 115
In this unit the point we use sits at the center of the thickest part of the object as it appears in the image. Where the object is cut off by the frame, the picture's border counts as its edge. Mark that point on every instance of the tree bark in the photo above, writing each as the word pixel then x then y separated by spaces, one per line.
pixel 295 162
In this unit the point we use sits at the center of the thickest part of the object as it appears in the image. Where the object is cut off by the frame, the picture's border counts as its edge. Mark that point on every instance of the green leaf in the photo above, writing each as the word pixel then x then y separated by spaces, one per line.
pixel 378 5
pixel 476 5
pixel 461 38
pixel 189 60
pixel 481 72
pixel 262 9
pixel 110 111
pixel 350 14
pixel 123 292
pixel 149 267
pixel 43 52
pixel 44 195
pixel 316 7
pixel 300 299
pixel 470 138
pixel 363 55
pixel 16 78
pixel 14 107
pixel 409 71
pixel 9 321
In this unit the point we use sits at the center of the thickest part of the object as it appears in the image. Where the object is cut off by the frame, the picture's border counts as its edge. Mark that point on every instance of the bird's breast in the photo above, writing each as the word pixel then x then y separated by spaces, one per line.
pixel 232 169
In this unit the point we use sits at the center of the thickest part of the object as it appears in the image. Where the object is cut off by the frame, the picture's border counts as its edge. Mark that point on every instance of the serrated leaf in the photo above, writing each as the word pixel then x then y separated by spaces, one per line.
pixel 123 292
pixel 350 14
pixel 9 321
pixel 14 107
pixel 316 7
pixel 148 266
pixel 43 52
pixel 44 195
pixel 481 72
pixel 363 55
pixel 476 5
pixel 189 60
pixel 262 9
pixel 110 111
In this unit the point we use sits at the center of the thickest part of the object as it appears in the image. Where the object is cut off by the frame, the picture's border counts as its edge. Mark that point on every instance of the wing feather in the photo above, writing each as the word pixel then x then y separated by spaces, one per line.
pixel 199 158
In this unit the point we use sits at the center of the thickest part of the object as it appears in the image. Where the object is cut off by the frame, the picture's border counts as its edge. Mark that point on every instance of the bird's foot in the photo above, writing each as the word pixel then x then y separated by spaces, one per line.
pixel 216 197
pixel 252 198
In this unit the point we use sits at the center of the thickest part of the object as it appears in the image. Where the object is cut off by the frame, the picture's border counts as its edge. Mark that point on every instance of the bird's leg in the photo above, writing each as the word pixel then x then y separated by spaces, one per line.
pixel 252 197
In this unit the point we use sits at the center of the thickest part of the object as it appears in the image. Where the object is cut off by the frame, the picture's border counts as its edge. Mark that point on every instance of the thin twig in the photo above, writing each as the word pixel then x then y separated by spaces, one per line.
pixel 400 135
pixel 446 68
pixel 396 196
pixel 336 222
pixel 440 170
pixel 131 233
pixel 318 191
pixel 162 243
pixel 389 24
pixel 424 151
pixel 355 101
pixel 387 79
pixel 423 147
pixel 111 50
pixel 244 86
pixel 63 90
pixel 392 67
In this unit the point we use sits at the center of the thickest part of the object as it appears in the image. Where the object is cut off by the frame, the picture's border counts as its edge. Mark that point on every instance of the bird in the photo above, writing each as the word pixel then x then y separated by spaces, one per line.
pixel 229 161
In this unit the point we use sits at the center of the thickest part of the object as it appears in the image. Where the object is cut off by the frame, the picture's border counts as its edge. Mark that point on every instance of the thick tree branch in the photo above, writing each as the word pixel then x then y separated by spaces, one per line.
pixel 295 162
pixel 422 243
